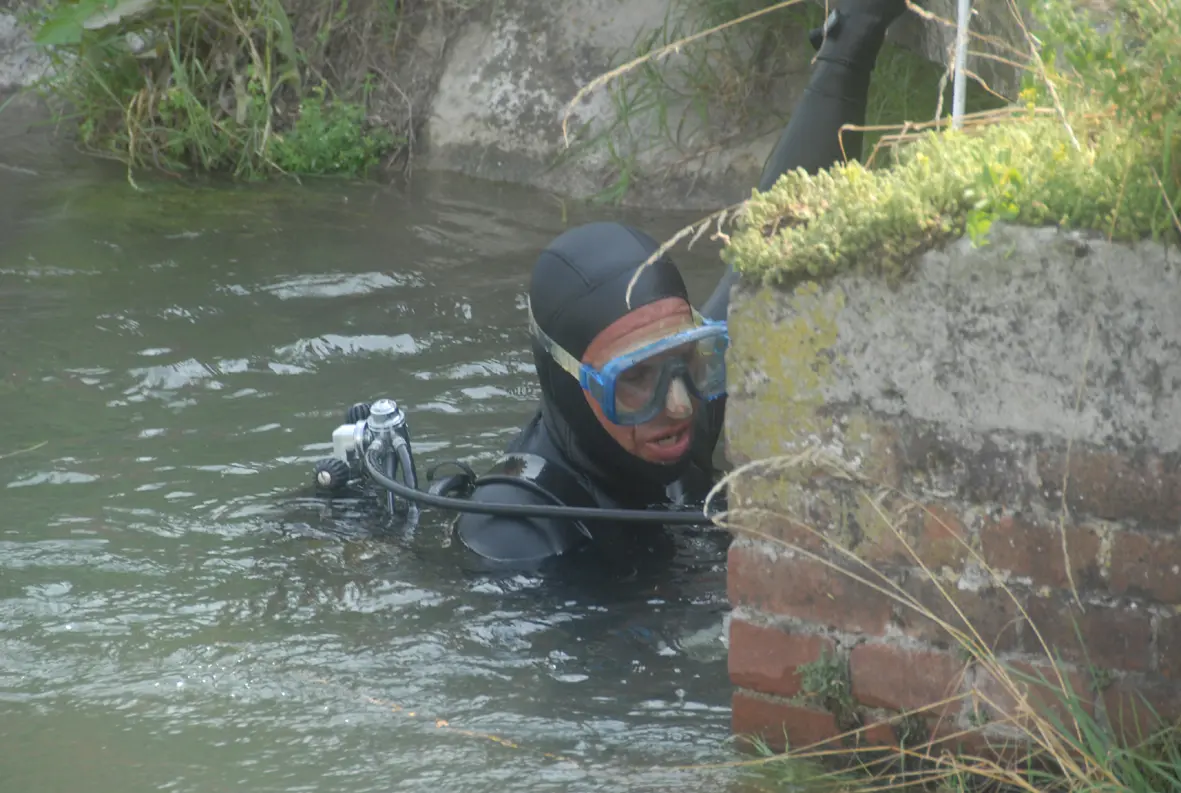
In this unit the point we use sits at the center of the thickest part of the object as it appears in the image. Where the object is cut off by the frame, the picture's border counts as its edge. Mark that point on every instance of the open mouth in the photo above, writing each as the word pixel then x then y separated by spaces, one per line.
pixel 672 439
pixel 673 443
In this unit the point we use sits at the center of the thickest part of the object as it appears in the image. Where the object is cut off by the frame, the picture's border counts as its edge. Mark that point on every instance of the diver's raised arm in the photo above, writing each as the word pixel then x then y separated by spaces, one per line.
pixel 837 94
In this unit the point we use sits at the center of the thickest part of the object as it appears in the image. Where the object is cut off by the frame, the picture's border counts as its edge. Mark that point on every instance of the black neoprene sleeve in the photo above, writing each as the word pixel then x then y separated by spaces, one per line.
pixel 837 94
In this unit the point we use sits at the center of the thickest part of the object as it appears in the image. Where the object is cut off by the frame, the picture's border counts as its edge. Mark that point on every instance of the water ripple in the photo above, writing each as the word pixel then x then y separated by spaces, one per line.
pixel 179 612
pixel 54 478
pixel 331 346
pixel 327 285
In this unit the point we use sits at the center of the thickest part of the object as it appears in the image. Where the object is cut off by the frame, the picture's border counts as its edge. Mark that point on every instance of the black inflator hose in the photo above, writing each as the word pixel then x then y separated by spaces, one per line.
pixel 667 518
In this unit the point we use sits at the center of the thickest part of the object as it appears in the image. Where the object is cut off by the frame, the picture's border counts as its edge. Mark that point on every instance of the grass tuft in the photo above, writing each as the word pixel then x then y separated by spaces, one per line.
pixel 248 87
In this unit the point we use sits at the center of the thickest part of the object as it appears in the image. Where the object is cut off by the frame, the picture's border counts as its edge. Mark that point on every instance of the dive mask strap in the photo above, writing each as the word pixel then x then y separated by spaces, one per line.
pixel 568 362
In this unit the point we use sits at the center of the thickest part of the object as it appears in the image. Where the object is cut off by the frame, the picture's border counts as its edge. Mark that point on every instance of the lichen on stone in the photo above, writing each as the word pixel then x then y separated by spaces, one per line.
pixel 1025 169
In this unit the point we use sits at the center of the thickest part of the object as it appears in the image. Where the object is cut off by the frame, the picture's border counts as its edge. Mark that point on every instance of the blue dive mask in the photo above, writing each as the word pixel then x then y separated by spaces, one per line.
pixel 632 388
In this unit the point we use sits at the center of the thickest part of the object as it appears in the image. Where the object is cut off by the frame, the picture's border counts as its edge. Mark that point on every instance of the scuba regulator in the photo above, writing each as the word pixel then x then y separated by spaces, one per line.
pixel 373 445
pixel 378 431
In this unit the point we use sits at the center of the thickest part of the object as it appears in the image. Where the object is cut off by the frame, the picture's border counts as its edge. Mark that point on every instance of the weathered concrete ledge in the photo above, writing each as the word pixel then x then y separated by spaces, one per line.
pixel 1012 412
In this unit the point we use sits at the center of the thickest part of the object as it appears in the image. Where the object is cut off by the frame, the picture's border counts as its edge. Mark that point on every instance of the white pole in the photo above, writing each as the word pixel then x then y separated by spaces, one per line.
pixel 959 86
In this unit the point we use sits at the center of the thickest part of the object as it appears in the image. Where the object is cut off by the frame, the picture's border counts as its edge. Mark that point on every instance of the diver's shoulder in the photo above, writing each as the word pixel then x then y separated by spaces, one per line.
pixel 523 479
pixel 512 538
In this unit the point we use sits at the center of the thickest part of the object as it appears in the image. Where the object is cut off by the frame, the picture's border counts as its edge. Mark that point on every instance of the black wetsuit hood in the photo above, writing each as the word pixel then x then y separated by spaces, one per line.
pixel 578 288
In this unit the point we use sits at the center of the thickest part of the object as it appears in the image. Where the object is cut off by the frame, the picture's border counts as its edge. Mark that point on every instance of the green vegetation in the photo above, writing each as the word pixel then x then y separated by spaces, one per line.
pixel 720 91
pixel 1094 144
pixel 1058 741
pixel 826 680
pixel 248 87
pixel 1084 759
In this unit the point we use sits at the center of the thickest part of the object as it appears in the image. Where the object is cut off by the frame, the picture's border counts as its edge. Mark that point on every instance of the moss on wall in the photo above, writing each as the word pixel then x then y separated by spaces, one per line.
pixel 1025 170
pixel 1095 146
pixel 787 352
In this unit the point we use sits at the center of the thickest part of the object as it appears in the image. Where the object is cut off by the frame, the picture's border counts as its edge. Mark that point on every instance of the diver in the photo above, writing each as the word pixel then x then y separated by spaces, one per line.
pixel 632 390
pixel 632 397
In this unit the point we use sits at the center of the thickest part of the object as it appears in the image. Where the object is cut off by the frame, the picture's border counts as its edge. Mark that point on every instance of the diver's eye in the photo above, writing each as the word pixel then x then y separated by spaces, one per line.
pixel 641 375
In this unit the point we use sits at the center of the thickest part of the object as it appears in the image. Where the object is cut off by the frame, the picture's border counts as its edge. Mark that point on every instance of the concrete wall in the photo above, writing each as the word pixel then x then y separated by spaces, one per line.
pixel 514 66
pixel 1013 411
pixel 20 62
pixel 26 139
pixel 486 92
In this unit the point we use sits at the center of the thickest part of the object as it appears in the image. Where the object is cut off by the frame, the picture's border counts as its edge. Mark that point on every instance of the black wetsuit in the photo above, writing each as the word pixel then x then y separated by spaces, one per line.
pixel 563 455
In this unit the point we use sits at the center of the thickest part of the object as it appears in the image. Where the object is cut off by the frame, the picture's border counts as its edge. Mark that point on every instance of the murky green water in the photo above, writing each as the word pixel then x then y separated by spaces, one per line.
pixel 177 614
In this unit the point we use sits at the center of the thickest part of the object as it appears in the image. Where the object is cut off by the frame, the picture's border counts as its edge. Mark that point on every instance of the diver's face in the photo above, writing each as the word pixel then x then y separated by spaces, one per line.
pixel 667 437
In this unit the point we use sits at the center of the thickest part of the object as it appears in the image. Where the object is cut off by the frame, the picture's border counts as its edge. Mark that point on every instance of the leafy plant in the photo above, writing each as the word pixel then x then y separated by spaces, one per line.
pixel 207 85
pixel 827 680
pixel 1127 63
pixel 330 139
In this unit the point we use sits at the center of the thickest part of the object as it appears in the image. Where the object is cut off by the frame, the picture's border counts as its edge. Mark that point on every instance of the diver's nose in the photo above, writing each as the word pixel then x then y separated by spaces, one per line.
pixel 677 403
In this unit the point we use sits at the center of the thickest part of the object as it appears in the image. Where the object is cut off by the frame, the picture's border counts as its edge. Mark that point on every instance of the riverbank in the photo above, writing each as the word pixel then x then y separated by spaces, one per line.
pixel 477 88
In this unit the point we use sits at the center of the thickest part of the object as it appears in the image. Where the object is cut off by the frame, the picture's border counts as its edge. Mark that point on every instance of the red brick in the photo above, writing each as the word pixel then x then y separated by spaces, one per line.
pixel 933 533
pixel 991 612
pixel 794 513
pixel 1138 706
pixel 1146 564
pixel 899 678
pixel 1033 550
pixel 780 723
pixel 767 659
pixel 1043 692
pixel 803 588
pixel 1169 647
pixel 1108 485
pixel 896 733
pixel 761 522
pixel 1112 638
pixel 878 734
pixel 941 538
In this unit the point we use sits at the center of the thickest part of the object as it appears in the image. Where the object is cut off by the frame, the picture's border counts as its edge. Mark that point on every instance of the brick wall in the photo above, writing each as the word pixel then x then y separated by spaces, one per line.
pixel 1009 448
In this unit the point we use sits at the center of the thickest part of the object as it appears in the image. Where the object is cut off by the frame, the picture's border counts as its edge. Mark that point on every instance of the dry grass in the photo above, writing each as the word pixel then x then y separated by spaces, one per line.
pixel 1074 754
pixel 26 450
